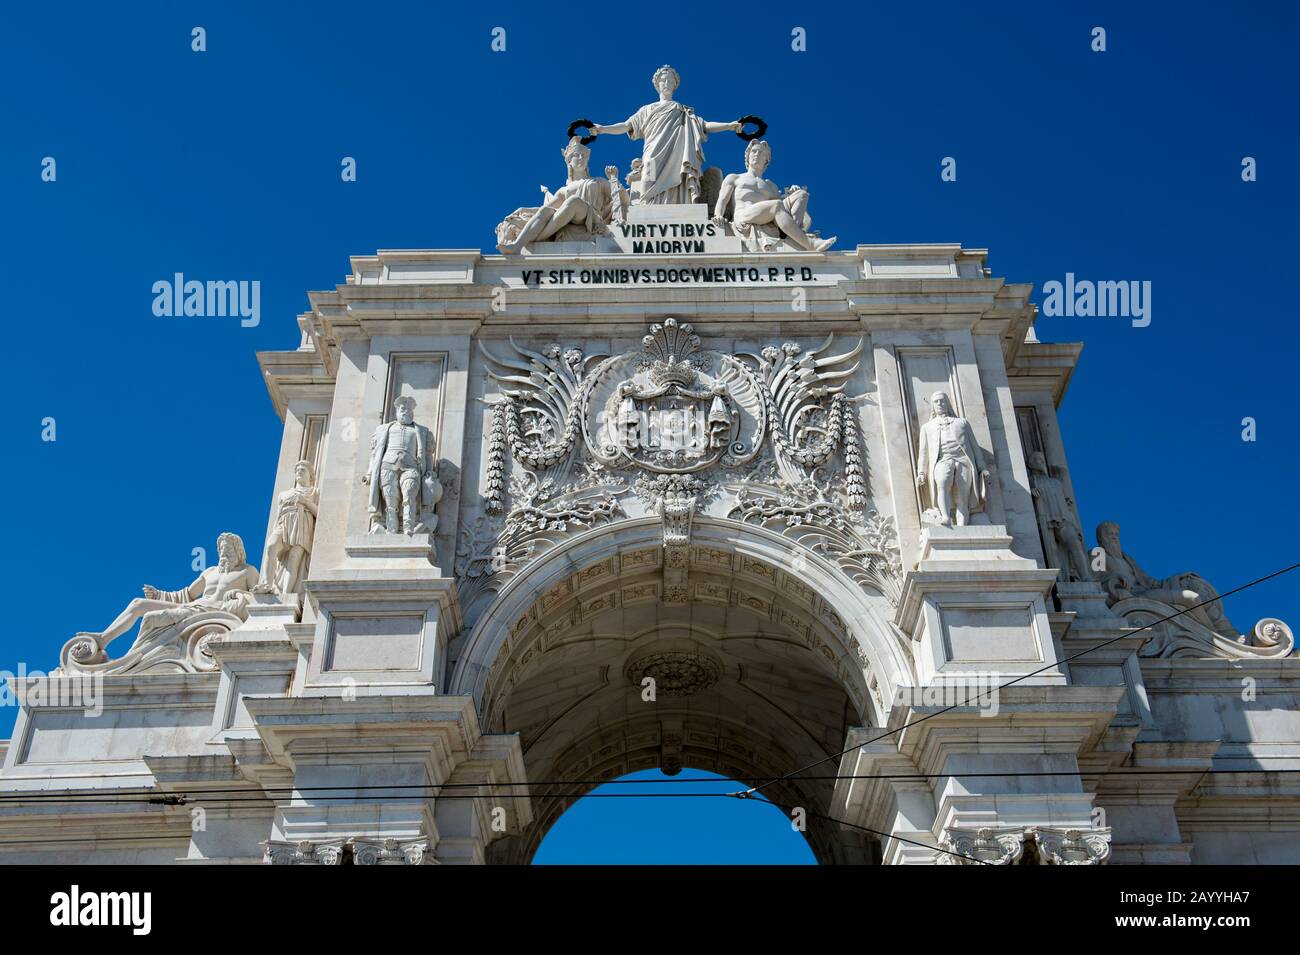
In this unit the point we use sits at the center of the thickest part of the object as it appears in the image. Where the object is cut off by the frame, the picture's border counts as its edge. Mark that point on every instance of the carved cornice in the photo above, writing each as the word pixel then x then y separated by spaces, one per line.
pixel 303 373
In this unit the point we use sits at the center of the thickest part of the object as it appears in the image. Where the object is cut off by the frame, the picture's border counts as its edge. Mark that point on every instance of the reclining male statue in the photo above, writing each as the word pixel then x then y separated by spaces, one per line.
pixel 227 587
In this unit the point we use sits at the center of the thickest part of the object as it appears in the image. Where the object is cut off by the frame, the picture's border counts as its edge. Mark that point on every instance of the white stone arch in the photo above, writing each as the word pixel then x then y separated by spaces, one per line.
pixel 864 615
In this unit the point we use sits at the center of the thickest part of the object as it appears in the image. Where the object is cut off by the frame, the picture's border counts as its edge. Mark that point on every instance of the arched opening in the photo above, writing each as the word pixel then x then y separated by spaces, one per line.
pixel 645 818
pixel 759 665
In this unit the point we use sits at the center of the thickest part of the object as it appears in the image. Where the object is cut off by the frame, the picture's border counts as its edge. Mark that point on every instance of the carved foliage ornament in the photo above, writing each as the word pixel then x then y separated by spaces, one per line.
pixel 863 544
pixel 492 547
pixel 1073 846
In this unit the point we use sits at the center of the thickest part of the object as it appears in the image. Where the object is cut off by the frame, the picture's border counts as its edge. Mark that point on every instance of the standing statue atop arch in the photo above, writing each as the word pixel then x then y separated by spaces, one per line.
pixel 950 467
pixel 673 157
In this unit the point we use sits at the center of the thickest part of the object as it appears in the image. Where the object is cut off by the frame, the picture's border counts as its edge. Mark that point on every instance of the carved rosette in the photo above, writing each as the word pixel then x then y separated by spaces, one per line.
pixel 676 672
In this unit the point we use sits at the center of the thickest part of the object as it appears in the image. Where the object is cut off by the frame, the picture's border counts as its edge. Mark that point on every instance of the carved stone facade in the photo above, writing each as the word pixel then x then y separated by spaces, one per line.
pixel 795 489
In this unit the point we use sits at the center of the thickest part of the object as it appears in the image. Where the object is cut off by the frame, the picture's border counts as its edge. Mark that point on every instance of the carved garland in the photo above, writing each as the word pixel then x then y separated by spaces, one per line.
pixel 494 490
pixel 542 456
pixel 818 453
pixel 855 479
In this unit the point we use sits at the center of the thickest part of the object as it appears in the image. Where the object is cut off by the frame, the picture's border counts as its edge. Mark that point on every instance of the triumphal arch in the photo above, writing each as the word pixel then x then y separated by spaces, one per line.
pixel 670 480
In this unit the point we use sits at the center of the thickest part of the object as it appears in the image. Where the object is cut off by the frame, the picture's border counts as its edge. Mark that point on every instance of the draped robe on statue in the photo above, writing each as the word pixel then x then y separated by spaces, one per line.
pixel 672 157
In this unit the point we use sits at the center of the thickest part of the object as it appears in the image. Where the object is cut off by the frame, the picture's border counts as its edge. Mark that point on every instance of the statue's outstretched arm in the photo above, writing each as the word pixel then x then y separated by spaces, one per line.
pixel 736 126
pixel 615 130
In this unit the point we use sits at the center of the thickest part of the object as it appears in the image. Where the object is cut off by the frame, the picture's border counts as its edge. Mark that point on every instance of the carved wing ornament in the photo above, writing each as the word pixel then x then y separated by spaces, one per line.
pixel 806 428
pixel 542 398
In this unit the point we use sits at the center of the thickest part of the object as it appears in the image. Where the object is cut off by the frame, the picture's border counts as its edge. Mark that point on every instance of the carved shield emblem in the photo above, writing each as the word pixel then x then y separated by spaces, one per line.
pixel 674 408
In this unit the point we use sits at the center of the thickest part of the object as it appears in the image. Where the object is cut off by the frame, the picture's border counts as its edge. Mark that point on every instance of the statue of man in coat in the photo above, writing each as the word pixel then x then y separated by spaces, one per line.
pixel 402 478
pixel 950 468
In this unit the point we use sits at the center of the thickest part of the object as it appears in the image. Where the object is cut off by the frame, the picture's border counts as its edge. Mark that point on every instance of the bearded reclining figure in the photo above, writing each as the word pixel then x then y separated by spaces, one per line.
pixel 223 591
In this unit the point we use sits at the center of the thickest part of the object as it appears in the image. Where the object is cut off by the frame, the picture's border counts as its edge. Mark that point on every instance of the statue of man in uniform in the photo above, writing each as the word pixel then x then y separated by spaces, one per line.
pixel 673 157
pixel 950 468
pixel 401 475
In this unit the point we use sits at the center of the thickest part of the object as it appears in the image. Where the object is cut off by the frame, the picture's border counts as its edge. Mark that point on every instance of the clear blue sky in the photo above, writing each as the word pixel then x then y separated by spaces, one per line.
pixel 225 164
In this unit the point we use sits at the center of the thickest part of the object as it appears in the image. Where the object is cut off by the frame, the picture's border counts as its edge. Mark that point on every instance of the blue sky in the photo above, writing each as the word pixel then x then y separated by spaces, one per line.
pixel 634 822
pixel 225 165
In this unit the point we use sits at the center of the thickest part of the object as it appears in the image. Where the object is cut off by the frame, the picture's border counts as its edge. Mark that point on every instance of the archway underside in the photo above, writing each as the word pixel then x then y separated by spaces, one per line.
pixel 752 680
